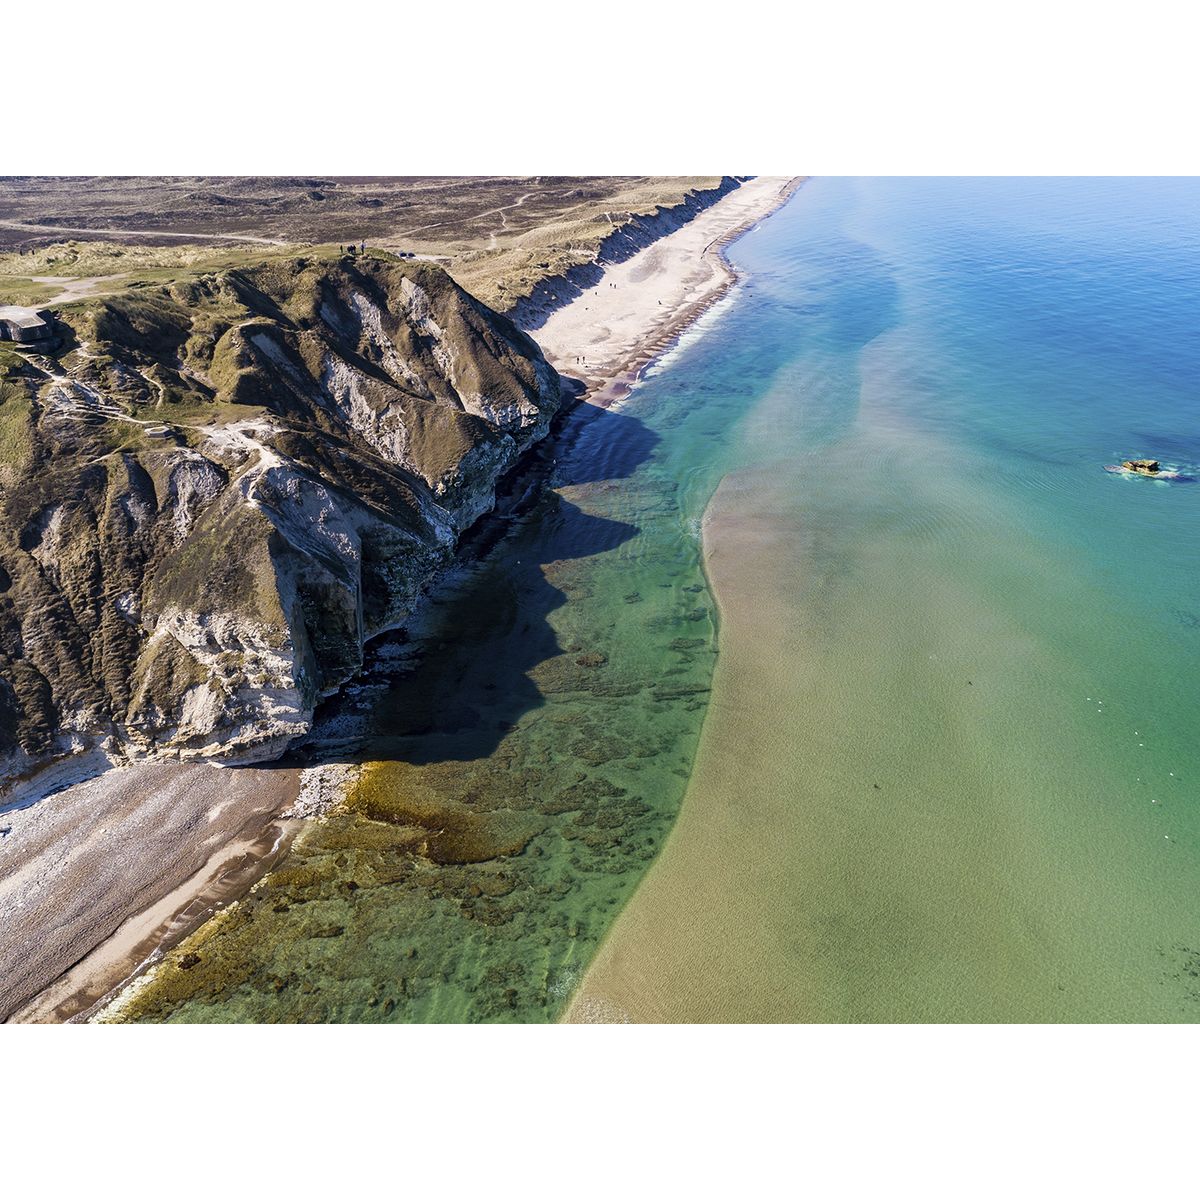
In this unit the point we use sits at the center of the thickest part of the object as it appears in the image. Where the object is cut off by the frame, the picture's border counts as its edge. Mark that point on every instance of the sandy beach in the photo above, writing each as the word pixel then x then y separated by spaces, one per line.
pixel 911 800
pixel 606 336
pixel 102 874
pixel 93 877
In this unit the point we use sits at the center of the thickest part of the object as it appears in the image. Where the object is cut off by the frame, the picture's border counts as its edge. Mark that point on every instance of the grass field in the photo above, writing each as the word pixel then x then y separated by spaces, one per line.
pixel 497 236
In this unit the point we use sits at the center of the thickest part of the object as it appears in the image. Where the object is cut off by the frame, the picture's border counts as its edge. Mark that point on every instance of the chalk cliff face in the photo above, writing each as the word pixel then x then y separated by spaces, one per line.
pixel 218 489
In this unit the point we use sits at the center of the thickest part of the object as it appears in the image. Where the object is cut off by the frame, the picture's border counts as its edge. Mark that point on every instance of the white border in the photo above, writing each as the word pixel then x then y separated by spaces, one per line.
pixel 542 86
pixel 917 87
pixel 627 1112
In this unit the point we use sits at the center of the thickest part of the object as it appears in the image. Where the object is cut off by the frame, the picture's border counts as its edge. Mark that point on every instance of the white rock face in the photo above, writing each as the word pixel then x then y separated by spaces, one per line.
pixel 194 483
pixel 198 591
pixel 385 429
pixel 48 550
pixel 253 702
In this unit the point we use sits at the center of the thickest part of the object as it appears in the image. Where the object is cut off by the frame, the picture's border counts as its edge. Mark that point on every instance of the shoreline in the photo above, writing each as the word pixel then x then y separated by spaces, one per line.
pixel 684 274
pixel 627 328
pixel 617 972
pixel 99 875
pixel 634 977
pixel 145 937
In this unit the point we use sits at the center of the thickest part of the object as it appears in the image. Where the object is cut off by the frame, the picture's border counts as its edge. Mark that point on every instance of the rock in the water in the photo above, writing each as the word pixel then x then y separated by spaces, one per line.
pixel 1142 466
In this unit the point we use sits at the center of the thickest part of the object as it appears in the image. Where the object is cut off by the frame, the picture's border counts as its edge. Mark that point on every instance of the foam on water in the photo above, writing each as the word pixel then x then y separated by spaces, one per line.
pixel 697 330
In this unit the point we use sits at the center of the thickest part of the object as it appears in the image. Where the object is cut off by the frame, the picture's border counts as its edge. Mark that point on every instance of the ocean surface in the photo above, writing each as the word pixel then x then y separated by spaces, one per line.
pixel 948 766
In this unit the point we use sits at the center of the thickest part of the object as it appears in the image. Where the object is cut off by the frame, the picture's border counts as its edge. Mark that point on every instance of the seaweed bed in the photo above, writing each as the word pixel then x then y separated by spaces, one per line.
pixel 512 788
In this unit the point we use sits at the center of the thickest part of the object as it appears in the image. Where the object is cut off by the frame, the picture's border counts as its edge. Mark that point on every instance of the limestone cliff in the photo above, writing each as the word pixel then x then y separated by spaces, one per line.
pixel 218 489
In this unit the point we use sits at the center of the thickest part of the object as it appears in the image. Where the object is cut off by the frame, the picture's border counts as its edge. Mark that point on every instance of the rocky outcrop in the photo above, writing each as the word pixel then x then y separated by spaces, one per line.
pixel 635 233
pixel 1141 466
pixel 218 490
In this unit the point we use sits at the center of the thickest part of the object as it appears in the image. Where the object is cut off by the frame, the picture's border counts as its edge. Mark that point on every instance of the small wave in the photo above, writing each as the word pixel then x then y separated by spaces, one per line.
pixel 693 333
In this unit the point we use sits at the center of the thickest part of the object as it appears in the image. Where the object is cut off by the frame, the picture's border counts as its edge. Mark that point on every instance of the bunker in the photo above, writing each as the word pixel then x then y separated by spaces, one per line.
pixel 23 325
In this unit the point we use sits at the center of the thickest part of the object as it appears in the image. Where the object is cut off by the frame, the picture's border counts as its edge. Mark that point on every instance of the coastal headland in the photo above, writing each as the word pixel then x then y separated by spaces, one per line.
pixel 110 871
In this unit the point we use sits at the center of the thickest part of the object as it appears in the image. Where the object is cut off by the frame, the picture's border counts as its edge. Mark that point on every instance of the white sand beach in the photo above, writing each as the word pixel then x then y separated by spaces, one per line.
pixel 606 336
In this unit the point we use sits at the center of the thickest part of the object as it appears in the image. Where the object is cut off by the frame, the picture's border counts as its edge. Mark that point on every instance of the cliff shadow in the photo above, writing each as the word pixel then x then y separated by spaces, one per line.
pixel 634 233
pixel 600 445
pixel 549 295
pixel 462 674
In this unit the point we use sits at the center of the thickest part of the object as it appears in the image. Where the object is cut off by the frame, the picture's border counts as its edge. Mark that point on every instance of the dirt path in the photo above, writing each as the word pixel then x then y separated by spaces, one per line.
pixel 73 287
pixel 392 238
pixel 503 226
pixel 185 237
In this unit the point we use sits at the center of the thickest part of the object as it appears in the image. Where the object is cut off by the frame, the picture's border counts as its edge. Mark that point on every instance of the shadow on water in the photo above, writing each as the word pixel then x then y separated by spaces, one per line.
pixel 525 748
pixel 466 681
pixel 599 445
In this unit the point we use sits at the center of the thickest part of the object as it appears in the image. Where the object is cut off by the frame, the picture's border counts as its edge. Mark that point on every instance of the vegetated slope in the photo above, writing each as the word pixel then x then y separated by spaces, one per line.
pixel 220 487
pixel 528 274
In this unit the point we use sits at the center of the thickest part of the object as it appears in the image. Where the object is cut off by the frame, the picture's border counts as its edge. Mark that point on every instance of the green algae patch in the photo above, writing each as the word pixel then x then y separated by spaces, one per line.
pixel 391 791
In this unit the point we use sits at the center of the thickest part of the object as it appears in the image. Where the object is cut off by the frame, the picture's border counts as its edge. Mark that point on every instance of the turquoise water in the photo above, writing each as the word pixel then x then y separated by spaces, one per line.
pixel 1022 334
pixel 948 772
pixel 549 725
pixel 960 785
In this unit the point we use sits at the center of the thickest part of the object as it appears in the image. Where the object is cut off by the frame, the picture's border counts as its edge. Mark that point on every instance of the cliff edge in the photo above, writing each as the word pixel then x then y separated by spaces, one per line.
pixel 217 489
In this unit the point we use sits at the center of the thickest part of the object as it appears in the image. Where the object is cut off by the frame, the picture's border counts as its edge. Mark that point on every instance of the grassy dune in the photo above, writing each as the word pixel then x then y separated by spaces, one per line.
pixel 497 236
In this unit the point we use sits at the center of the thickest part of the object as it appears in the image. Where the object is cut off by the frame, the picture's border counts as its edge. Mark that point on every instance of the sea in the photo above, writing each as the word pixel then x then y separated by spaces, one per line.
pixel 834 676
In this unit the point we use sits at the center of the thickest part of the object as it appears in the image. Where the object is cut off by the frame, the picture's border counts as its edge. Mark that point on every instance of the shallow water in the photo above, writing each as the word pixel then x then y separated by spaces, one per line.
pixel 519 779
pixel 946 772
